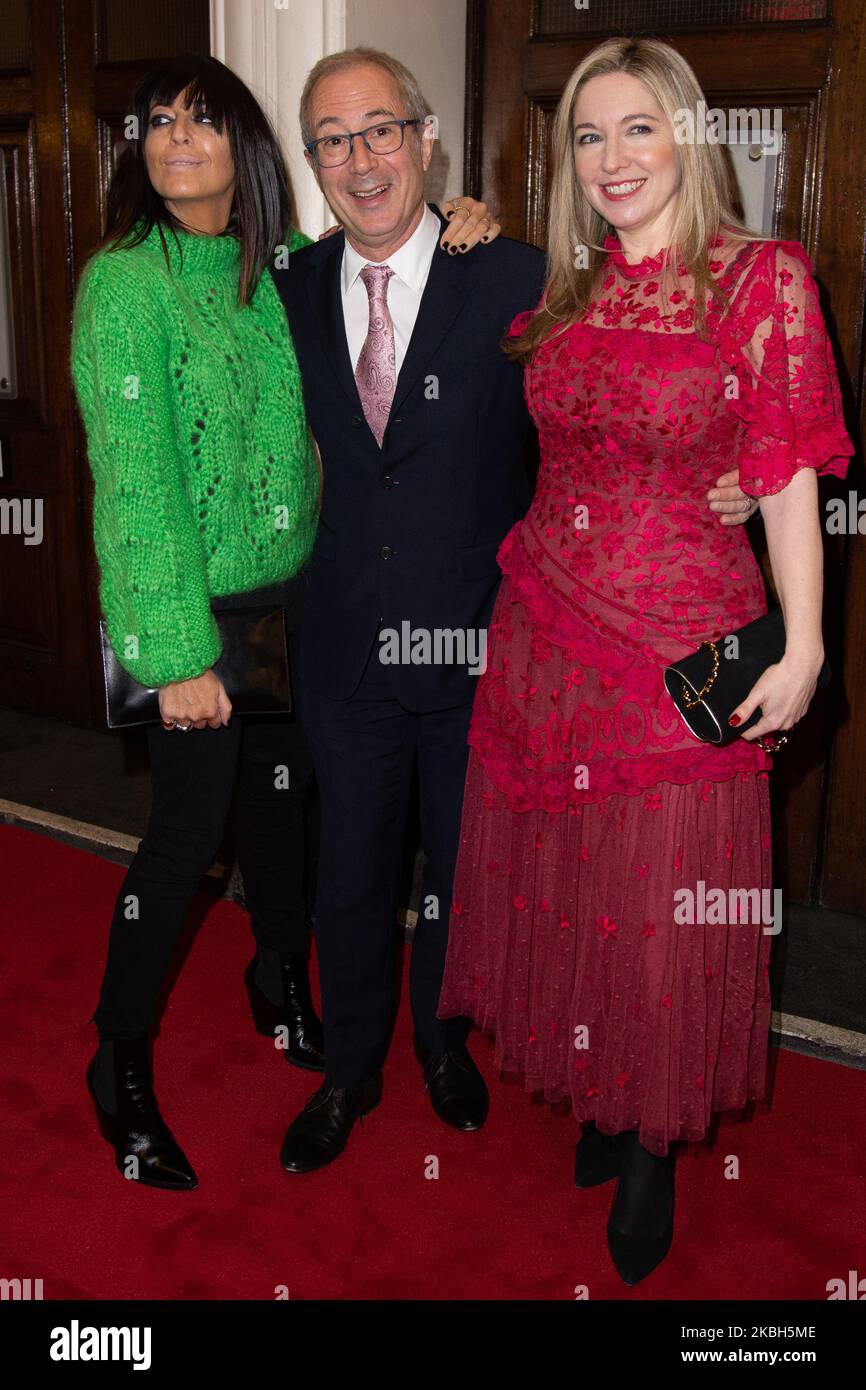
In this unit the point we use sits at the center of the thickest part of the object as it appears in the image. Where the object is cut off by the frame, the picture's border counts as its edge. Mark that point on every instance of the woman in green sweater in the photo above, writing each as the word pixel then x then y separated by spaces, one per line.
pixel 206 485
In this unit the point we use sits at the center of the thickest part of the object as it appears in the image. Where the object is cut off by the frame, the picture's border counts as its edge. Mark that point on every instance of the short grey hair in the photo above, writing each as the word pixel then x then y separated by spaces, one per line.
pixel 416 106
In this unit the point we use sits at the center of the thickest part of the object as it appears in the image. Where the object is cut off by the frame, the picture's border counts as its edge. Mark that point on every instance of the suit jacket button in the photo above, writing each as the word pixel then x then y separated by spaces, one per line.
pixel 357 420
pixel 388 481
pixel 386 552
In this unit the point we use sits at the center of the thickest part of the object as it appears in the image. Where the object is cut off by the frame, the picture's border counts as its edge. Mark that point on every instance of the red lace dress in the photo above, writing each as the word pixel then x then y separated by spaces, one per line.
pixel 588 804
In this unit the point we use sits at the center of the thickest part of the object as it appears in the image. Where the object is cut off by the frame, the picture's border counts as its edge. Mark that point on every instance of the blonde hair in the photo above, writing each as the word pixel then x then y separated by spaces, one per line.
pixel 416 106
pixel 704 201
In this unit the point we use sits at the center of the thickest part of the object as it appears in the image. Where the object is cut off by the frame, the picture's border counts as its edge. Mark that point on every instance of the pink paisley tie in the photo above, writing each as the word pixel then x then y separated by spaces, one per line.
pixel 376 372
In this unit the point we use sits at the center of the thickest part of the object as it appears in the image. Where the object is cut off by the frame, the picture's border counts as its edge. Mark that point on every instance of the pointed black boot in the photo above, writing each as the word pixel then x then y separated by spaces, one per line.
pixel 120 1081
pixel 597 1157
pixel 640 1227
pixel 296 1014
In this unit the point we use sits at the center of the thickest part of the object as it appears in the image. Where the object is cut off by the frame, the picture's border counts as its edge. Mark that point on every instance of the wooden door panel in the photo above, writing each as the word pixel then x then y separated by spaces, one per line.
pixel 741 60
pixel 17 146
pixel 43 663
pixel 563 17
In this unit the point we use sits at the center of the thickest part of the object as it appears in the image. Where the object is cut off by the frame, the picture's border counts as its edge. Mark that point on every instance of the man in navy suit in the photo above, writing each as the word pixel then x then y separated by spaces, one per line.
pixel 423 478
pixel 421 424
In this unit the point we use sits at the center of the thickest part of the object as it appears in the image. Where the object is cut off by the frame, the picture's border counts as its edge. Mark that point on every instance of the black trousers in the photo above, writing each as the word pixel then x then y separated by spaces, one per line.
pixel 265 762
pixel 365 751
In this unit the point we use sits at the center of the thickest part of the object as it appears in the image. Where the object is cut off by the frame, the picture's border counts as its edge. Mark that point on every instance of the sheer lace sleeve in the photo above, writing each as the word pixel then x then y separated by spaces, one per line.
pixel 788 390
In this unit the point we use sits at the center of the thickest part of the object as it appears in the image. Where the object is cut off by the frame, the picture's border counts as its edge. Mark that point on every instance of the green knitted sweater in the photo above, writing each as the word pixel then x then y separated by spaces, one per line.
pixel 205 474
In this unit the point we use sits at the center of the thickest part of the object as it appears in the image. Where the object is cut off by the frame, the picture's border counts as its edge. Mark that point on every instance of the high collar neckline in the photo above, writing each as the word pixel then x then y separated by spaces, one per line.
pixel 650 265
pixel 641 270
pixel 189 252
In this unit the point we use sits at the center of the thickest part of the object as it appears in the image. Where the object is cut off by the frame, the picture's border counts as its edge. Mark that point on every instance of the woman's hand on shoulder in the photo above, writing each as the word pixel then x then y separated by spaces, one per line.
pixel 469 222
pixel 198 703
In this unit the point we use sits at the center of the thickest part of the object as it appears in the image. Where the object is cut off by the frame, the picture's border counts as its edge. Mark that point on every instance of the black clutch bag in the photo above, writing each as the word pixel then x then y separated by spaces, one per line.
pixel 709 684
pixel 253 666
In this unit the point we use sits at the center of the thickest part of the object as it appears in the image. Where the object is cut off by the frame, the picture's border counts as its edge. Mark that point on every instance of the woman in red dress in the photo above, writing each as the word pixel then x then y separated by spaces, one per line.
pixel 679 346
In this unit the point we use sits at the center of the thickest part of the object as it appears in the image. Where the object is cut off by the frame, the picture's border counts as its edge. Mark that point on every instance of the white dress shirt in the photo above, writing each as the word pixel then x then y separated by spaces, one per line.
pixel 411 266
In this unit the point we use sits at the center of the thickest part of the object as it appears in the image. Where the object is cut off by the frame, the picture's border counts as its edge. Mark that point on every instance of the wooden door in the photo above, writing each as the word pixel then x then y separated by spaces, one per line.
pixel 43 663
pixel 66 75
pixel 808 59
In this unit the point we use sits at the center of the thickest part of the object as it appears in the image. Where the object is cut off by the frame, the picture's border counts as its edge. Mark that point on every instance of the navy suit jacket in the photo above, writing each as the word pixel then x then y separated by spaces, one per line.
pixel 410 531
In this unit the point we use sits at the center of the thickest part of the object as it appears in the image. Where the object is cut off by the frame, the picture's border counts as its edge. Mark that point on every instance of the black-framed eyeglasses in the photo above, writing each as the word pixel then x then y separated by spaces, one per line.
pixel 386 137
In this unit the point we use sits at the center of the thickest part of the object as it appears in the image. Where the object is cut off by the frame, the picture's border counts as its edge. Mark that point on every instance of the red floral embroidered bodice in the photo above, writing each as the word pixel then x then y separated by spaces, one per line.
pixel 619 565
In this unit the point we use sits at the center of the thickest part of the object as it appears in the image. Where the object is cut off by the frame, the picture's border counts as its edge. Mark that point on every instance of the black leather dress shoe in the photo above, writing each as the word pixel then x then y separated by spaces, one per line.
pixel 640 1227
pixel 597 1157
pixel 296 1014
pixel 456 1087
pixel 120 1081
pixel 320 1133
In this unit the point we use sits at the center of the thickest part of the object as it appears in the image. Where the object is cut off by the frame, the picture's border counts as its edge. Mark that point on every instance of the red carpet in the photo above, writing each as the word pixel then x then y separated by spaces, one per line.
pixel 502 1221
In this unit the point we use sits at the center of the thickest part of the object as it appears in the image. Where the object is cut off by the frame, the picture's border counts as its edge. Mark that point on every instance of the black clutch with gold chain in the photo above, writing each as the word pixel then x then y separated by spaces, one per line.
pixel 709 684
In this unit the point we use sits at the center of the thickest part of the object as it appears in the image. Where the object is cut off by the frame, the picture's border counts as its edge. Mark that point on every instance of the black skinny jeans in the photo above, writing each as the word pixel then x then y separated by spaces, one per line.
pixel 194 776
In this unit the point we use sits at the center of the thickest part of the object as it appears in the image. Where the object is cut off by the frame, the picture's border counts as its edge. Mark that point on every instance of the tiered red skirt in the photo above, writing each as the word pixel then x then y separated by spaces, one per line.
pixel 564 942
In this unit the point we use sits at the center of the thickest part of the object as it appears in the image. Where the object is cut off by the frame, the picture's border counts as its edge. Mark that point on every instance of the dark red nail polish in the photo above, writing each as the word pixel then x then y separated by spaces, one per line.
pixel 734 721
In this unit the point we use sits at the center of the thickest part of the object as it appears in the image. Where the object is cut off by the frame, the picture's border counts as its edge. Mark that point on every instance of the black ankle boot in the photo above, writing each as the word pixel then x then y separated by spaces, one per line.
pixel 120 1081
pixel 597 1157
pixel 640 1227
pixel 305 1046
